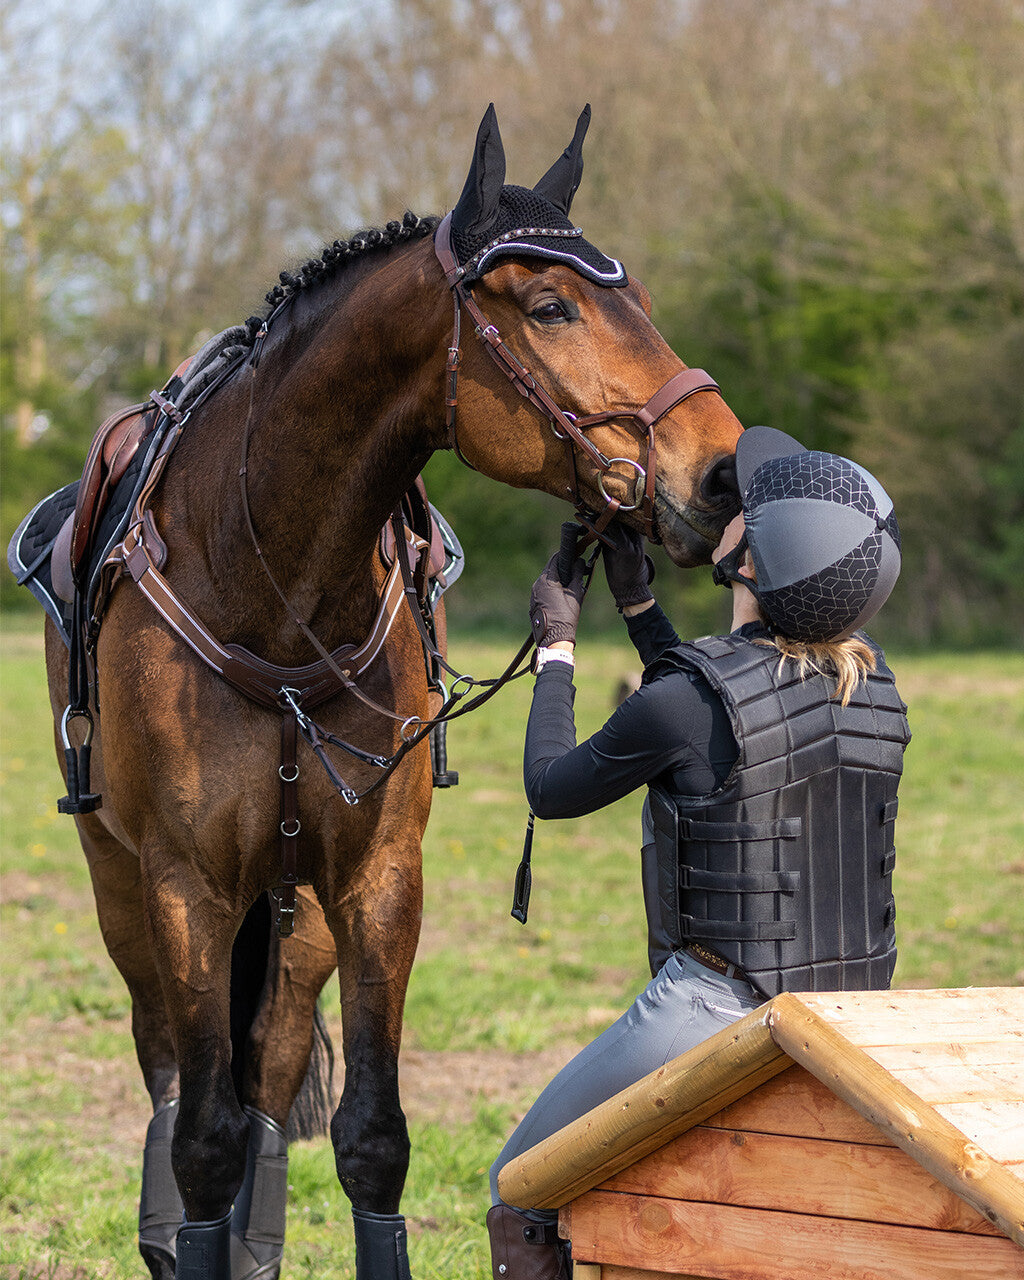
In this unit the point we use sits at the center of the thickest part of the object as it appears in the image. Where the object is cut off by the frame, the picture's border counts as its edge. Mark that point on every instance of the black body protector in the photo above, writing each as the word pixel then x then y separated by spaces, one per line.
pixel 786 869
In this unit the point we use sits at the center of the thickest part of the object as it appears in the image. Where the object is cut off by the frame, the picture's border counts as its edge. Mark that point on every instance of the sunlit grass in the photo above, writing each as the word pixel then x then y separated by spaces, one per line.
pixel 482 983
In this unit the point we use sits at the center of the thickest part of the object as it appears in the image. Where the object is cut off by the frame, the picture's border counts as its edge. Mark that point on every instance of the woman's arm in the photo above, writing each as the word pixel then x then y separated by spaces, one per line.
pixel 650 631
pixel 650 732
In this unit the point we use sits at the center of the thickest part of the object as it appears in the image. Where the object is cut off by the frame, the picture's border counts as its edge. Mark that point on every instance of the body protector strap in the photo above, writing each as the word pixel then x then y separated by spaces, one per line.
pixel 786 869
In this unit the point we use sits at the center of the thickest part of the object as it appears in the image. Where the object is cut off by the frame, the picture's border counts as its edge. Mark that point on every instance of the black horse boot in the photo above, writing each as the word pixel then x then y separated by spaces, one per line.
pixel 525 1250
pixel 380 1246
pixel 257 1223
pixel 160 1209
pixel 204 1250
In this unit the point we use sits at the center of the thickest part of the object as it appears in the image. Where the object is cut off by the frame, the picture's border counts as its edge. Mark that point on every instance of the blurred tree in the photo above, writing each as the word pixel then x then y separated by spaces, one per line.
pixel 61 225
pixel 826 199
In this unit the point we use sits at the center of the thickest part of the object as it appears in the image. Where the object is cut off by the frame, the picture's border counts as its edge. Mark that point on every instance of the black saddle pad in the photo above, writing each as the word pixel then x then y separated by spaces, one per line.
pixel 29 552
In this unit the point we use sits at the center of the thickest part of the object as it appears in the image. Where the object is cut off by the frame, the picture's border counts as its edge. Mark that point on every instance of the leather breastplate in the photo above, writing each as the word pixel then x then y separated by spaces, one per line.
pixel 786 869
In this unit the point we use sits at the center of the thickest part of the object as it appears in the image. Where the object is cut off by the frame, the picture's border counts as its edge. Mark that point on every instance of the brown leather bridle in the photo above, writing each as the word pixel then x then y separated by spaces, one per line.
pixel 568 427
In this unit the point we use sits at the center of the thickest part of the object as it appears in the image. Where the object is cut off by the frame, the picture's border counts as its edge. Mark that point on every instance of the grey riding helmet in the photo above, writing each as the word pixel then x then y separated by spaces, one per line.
pixel 822 534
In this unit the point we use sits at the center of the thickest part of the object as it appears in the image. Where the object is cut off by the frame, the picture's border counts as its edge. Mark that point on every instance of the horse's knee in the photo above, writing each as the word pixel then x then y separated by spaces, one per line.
pixel 371 1151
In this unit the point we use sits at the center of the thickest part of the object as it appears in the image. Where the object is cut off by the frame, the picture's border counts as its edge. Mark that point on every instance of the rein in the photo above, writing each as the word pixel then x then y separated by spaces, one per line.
pixel 567 427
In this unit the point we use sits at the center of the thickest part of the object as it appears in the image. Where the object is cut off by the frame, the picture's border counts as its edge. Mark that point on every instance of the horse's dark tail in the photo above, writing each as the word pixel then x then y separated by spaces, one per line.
pixel 311 1111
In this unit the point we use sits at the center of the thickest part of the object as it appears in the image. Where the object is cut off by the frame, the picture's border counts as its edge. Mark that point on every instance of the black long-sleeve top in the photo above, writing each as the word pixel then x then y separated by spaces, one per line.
pixel 675 729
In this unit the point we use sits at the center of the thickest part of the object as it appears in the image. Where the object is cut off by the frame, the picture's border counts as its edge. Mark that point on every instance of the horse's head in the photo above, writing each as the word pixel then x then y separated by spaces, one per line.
pixel 618 425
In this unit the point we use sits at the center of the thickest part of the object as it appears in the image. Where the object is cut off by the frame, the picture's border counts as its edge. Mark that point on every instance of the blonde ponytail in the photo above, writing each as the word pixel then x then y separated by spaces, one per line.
pixel 846 661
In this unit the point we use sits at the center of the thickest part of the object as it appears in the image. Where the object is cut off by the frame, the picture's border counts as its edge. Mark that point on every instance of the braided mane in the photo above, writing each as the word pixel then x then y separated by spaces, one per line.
pixel 341 252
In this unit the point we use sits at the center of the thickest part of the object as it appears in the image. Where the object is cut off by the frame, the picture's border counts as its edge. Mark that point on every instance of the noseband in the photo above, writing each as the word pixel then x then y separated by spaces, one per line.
pixel 567 427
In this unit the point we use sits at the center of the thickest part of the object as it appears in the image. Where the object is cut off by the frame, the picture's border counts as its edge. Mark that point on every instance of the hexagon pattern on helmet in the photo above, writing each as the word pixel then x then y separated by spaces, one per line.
pixel 827 603
pixel 826 555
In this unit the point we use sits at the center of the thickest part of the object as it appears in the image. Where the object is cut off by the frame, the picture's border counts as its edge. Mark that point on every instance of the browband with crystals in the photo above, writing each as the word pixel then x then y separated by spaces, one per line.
pixel 572 233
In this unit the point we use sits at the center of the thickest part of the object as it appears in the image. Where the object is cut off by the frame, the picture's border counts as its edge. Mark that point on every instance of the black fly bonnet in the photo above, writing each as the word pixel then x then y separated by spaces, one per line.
pixel 493 220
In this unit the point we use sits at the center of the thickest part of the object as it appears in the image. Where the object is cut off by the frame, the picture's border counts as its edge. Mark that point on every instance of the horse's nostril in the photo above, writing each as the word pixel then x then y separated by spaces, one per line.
pixel 719 486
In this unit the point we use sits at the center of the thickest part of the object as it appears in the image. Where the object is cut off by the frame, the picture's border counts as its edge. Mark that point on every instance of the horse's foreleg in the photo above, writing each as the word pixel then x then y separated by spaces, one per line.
pixel 192 934
pixel 117 886
pixel 375 921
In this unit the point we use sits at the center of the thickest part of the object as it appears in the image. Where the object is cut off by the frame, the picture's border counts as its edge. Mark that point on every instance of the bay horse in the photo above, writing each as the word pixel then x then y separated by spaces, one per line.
pixel 287 475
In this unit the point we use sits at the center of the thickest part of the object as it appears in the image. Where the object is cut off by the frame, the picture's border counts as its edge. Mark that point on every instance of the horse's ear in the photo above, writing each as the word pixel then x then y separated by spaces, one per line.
pixel 478 205
pixel 561 181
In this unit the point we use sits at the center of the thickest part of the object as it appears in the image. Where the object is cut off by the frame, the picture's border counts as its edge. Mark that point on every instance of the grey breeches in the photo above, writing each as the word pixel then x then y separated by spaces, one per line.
pixel 682 1005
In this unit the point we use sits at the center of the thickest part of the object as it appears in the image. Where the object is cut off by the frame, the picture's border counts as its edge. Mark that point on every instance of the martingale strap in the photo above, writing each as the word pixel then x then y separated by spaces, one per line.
pixel 289 691
pixel 292 691
pixel 288 772
pixel 567 427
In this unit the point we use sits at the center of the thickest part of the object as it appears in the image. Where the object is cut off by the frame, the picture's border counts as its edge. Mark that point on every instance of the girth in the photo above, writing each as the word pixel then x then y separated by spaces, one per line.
pixel 567 427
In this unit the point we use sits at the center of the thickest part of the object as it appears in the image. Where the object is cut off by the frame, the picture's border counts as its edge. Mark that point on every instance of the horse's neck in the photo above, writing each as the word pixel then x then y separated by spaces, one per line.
pixel 340 426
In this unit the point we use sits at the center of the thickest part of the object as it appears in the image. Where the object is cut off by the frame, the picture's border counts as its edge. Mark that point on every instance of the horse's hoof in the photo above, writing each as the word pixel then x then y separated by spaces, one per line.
pixel 269 1271
pixel 158 1258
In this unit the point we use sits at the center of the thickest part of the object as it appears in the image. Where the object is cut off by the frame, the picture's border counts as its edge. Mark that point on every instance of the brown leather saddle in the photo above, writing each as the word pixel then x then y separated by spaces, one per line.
pixel 112 450
pixel 421 519
pixel 111 453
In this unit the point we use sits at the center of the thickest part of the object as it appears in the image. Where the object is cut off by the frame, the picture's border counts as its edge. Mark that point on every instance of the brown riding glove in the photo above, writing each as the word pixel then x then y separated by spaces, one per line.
pixel 554 609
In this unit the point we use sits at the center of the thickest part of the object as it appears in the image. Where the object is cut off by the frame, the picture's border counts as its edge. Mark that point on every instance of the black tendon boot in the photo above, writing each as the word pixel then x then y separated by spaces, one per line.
pixel 380 1246
pixel 257 1224
pixel 204 1250
pixel 160 1204
pixel 525 1250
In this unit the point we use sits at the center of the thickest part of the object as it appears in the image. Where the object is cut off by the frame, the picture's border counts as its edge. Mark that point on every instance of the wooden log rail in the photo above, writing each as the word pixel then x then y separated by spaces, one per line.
pixel 950 1093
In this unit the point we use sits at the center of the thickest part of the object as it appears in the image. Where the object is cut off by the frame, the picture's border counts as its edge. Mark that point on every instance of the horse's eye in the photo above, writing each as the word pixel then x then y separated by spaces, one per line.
pixel 551 312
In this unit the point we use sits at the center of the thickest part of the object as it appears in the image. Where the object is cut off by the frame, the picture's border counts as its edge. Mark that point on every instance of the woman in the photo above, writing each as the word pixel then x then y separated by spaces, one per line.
pixel 772 757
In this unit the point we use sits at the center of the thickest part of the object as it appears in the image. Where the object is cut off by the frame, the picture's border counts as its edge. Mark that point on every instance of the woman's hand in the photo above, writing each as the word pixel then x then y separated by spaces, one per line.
pixel 554 608
pixel 628 568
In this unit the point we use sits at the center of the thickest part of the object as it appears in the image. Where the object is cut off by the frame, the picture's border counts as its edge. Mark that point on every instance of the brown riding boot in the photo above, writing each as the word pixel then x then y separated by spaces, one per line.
pixel 525 1250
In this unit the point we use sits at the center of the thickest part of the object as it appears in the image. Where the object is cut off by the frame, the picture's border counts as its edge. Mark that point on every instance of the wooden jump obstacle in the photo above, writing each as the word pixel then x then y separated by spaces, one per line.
pixel 856 1135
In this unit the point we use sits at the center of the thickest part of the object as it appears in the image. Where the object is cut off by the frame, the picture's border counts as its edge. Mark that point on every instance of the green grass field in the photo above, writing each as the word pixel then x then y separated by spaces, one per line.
pixel 493 1007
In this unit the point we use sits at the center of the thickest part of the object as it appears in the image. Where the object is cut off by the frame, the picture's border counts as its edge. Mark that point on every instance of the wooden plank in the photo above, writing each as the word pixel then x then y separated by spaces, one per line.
pixel 597 1271
pixel 634 1273
pixel 988 1113
pixel 656 1109
pixel 1006 1053
pixel 941 1082
pixel 800 1175
pixel 798 1104
pixel 889 1018
pixel 730 1243
pixel 915 1126
pixel 995 1125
